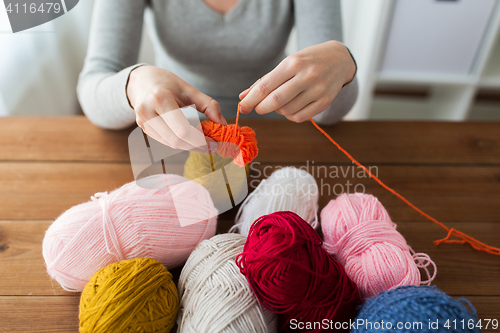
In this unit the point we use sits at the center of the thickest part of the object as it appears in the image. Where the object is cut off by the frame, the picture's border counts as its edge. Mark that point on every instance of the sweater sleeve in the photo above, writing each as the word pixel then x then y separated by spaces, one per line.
pixel 318 21
pixel 113 49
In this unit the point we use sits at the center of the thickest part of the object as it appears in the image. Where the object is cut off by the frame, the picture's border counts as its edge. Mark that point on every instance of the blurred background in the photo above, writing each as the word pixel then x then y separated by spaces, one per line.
pixel 417 60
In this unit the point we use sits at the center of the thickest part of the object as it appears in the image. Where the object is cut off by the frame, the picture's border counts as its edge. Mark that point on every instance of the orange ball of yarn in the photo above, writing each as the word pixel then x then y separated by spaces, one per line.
pixel 244 137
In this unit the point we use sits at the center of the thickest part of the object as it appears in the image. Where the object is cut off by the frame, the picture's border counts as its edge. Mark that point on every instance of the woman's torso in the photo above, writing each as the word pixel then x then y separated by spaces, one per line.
pixel 220 54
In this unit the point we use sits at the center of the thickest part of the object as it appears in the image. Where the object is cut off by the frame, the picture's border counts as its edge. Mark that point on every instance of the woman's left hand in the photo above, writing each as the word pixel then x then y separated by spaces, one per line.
pixel 303 85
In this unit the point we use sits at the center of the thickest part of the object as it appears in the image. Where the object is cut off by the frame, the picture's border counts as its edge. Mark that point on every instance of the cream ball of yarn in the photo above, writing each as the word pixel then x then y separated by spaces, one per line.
pixel 215 296
pixel 287 189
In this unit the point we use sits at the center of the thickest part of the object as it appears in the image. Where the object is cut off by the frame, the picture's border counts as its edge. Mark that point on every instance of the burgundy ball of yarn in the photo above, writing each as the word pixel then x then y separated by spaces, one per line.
pixel 291 274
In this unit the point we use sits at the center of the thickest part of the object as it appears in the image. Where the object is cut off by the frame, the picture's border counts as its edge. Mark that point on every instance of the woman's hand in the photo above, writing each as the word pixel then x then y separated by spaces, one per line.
pixel 304 84
pixel 157 96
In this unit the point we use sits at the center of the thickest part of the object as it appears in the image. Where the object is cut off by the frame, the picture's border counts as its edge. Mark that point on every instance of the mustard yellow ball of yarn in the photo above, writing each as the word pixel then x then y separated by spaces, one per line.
pixel 134 295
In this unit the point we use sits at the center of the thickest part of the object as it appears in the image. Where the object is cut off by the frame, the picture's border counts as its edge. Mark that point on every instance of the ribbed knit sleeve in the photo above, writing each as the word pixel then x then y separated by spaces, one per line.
pixel 113 49
pixel 318 21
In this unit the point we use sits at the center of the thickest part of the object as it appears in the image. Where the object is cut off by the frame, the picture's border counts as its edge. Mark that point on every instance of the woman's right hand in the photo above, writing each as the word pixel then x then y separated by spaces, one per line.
pixel 157 96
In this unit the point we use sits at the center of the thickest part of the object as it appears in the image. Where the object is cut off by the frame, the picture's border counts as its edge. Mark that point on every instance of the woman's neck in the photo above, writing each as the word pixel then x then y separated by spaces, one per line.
pixel 221 6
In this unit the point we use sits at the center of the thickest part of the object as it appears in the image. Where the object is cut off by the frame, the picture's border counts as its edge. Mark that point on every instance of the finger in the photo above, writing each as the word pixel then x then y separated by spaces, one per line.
pixel 299 102
pixel 204 104
pixel 164 104
pixel 153 134
pixel 181 127
pixel 308 111
pixel 281 96
pixel 148 127
pixel 160 131
pixel 245 92
pixel 264 87
pixel 144 114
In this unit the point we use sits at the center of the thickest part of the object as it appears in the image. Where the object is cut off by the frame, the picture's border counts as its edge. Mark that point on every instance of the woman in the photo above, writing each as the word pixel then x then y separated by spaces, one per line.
pixel 212 53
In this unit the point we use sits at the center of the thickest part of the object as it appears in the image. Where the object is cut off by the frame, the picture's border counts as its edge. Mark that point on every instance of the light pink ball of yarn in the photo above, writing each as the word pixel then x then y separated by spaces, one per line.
pixel 359 232
pixel 130 222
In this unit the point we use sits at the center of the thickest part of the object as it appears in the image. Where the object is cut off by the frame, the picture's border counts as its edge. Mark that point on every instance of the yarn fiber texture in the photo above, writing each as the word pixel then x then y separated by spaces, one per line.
pixel 359 232
pixel 130 222
pixel 287 189
pixel 243 137
pixel 411 304
pixel 203 169
pixel 135 295
pixel 215 296
pixel 293 275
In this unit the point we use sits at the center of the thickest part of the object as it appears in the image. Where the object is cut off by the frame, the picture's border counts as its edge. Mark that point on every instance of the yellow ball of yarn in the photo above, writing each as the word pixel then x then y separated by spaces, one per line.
pixel 225 187
pixel 134 295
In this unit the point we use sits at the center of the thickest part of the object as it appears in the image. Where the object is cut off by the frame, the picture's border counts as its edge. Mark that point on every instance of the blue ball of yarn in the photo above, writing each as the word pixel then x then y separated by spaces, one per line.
pixel 401 309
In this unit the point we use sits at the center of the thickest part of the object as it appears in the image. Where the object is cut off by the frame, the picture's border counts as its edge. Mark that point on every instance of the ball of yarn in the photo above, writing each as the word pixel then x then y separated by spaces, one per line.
pixel 292 274
pixel 215 296
pixel 135 295
pixel 359 232
pixel 287 189
pixel 410 305
pixel 243 137
pixel 204 169
pixel 130 222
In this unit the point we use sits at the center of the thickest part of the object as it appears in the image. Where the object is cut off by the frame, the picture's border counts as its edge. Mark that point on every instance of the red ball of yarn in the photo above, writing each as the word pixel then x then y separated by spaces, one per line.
pixel 291 274
pixel 243 137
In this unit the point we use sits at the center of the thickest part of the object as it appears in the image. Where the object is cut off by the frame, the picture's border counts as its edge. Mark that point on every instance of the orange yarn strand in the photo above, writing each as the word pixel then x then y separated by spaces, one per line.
pixel 464 238
pixel 238 113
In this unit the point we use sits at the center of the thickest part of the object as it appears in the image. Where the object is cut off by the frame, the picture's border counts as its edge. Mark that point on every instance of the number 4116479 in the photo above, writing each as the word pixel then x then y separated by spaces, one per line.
pixel 471 324
pixel 47 7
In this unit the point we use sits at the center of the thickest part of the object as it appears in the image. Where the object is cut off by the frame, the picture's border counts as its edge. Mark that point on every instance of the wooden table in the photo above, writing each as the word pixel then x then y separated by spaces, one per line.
pixel 450 170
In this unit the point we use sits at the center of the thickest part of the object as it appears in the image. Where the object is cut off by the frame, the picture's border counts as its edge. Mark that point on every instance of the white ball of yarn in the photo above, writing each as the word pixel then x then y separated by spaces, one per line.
pixel 215 296
pixel 287 189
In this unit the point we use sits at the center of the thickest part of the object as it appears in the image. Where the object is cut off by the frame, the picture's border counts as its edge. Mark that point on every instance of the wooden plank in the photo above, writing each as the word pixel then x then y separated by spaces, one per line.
pixel 43 191
pixel 76 139
pixel 487 308
pixel 446 193
pixel 21 262
pixel 22 266
pixel 45 314
pixel 59 314
pixel 60 139
pixel 379 142
pixel 461 270
pixel 450 170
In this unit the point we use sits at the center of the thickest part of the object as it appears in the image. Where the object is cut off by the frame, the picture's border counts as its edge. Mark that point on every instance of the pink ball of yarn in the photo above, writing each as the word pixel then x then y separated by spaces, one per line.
pixel 359 232
pixel 130 222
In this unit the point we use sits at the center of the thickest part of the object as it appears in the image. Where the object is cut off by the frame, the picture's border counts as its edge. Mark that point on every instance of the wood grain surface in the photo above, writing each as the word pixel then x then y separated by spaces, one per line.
pixel 449 170
pixel 76 139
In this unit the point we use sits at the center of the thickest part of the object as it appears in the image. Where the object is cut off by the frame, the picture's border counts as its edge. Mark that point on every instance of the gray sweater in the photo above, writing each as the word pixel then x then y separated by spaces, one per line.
pixel 219 54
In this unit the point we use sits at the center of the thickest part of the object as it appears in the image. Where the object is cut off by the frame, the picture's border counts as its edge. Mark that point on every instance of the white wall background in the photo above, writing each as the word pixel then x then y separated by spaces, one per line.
pixel 39 67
